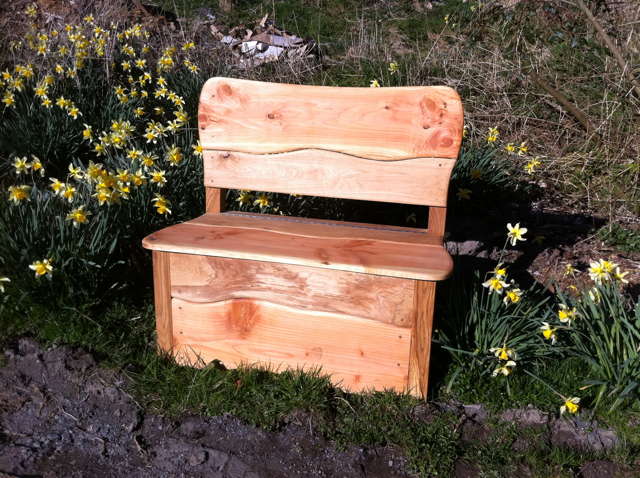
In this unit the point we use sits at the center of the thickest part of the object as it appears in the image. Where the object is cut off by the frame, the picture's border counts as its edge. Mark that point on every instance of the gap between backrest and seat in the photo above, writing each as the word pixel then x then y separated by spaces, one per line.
pixel 384 144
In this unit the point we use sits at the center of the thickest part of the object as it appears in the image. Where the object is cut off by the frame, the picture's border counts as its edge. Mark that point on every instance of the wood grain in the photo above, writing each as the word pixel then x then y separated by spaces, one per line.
pixel 437 220
pixel 162 298
pixel 422 181
pixel 358 353
pixel 214 200
pixel 201 279
pixel 420 354
pixel 375 123
pixel 354 252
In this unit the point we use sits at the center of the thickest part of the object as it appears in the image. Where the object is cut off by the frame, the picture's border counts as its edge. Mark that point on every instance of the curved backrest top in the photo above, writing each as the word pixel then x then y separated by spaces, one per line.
pixel 373 123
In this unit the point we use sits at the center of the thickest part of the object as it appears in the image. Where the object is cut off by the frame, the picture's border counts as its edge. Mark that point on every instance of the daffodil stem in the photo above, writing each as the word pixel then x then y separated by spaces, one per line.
pixel 545 384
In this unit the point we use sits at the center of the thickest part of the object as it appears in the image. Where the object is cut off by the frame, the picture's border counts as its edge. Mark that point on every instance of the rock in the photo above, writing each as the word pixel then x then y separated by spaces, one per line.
pixel 528 417
pixel 601 469
pixel 466 469
pixel 476 412
pixel 581 435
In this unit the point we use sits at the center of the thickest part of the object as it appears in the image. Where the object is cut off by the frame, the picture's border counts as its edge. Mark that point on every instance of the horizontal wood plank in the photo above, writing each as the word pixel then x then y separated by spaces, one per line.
pixel 202 279
pixel 422 181
pixel 354 251
pixel 358 353
pixel 376 123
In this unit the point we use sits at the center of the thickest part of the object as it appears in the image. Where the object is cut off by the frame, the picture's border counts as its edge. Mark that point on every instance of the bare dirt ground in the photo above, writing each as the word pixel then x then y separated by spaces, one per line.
pixel 62 415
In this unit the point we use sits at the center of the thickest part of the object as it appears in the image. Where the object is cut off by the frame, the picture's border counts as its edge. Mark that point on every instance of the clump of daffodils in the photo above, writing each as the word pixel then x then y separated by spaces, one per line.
pixel 605 271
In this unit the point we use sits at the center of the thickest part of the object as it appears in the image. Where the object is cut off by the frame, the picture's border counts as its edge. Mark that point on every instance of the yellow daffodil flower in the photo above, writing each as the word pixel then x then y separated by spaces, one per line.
pixel 512 296
pixel 492 136
pixel 161 204
pixel 43 267
pixel 374 84
pixel 157 177
pixel 510 148
pixel 22 165
pixel 262 200
pixel 504 353
pixel 495 284
pixel 569 270
pixel 531 166
pixel 567 315
pixel 620 276
pixel 548 332
pixel 393 68
pixel 78 216
pixel 244 197
pixel 36 165
pixel 19 193
pixel 475 174
pixel 523 149
pixel 570 405
pixel 174 155
pixel 499 271
pixel 515 233
pixel 69 192
pixel 504 369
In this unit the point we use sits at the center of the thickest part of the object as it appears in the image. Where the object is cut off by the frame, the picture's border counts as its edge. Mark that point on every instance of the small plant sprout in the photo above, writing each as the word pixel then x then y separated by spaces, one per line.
pixel 2 281
pixel 516 233
pixel 570 405
pixel 42 268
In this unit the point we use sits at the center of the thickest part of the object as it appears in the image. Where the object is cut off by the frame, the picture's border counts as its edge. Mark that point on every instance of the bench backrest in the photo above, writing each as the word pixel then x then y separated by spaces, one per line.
pixel 379 144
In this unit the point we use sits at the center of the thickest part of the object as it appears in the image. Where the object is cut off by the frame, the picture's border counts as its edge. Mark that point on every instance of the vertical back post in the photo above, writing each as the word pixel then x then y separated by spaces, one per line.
pixel 214 200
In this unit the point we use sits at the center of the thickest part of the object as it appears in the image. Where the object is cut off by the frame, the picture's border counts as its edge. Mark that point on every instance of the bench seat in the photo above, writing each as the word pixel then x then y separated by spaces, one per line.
pixel 381 250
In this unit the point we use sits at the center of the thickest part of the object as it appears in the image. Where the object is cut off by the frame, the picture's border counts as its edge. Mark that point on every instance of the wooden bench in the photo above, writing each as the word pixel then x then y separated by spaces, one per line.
pixel 356 299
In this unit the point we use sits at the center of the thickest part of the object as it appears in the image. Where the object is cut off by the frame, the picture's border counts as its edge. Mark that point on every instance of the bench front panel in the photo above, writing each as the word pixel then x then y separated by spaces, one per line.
pixel 356 327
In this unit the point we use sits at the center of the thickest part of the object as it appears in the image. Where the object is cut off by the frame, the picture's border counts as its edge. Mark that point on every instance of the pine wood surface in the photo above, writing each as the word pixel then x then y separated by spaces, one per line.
pixel 354 250
pixel 202 279
pixel 162 299
pixel 422 181
pixel 358 353
pixel 376 123
pixel 424 302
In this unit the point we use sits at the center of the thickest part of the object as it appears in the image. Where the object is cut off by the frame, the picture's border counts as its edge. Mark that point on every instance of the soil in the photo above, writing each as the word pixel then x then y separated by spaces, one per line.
pixel 62 415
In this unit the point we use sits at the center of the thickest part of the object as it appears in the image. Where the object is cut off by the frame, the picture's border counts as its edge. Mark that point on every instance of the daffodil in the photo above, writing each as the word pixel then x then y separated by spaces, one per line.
pixel 157 177
pixel 78 216
pixel 499 271
pixel 523 148
pixel 197 149
pixel 174 155
pixel 492 136
pixel 504 369
pixel 393 68
pixel 570 405
pixel 495 284
pixel 36 165
pixel 601 270
pixel 515 233
pixel 22 165
pixel 161 204
pixel 594 295
pixel 512 296
pixel 43 267
pixel 569 270
pixel 244 197
pixel 463 193
pixel 262 200
pixel 567 315
pixel 69 192
pixel 2 280
pixel 620 276
pixel 19 193
pixel 475 174
pixel 75 173
pixel 374 84
pixel 504 353
pixel 548 332
pixel 531 166
pixel 510 148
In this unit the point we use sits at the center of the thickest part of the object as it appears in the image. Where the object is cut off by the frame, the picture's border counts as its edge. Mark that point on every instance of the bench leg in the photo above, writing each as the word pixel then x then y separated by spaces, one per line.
pixel 423 304
pixel 162 297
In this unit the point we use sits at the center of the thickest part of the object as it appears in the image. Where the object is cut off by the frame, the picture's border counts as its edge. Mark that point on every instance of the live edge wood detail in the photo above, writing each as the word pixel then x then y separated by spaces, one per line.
pixel 374 123
pixel 354 299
